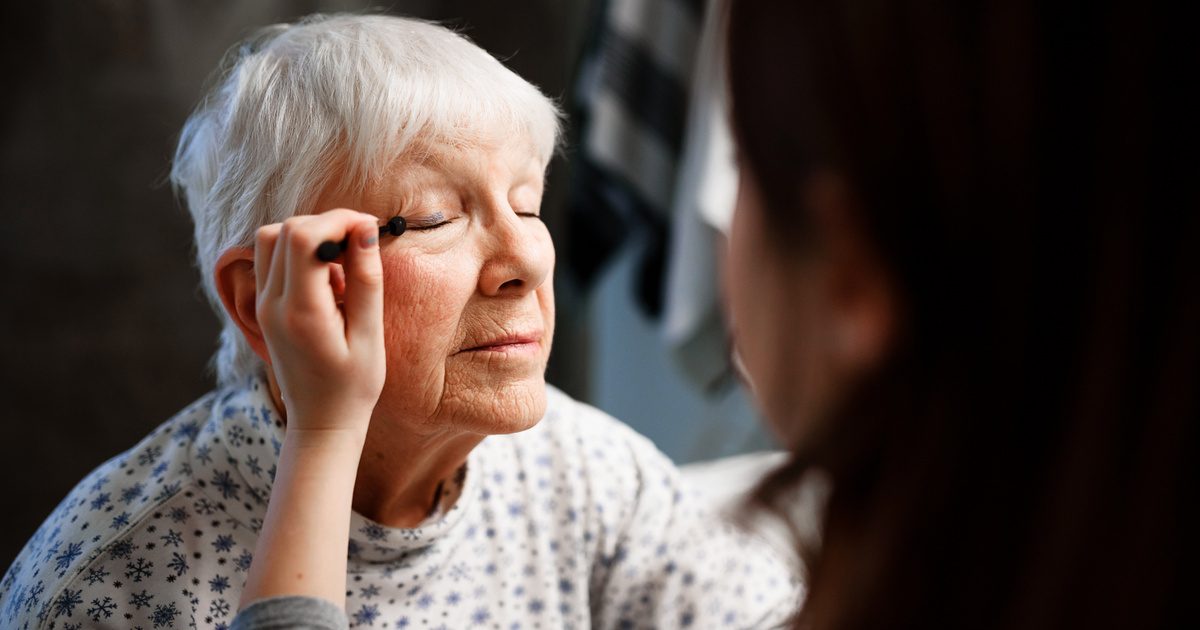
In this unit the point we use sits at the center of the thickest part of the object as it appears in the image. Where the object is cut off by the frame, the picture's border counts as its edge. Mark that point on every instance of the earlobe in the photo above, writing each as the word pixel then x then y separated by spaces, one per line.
pixel 234 278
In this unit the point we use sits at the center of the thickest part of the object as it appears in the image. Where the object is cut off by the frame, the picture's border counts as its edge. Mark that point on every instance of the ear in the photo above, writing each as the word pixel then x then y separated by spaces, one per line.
pixel 859 289
pixel 235 282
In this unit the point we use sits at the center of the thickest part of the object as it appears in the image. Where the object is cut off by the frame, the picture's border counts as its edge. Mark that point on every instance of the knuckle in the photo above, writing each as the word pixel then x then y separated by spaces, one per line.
pixel 371 276
pixel 266 233
pixel 299 240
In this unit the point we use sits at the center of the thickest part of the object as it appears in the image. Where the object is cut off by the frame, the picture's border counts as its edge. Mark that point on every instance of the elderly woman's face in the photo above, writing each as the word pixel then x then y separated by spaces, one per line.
pixel 469 303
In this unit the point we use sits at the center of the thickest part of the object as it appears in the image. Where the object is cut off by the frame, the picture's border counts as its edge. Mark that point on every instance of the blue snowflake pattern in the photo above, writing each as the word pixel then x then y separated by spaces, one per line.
pixel 167 491
pixel 218 584
pixel 66 603
pixel 64 560
pixel 120 520
pixel 515 540
pixel 101 608
pixel 132 493
pixel 243 561
pixel 140 600
pixel 121 549
pixel 225 483
pixel 204 506
pixel 172 538
pixel 178 564
pixel 139 569
pixel 374 532
pixel 223 543
pixel 101 500
pixel 236 436
pixel 149 456
pixel 187 431
pixel 367 614
pixel 95 575
pixel 164 615
pixel 99 483
pixel 253 466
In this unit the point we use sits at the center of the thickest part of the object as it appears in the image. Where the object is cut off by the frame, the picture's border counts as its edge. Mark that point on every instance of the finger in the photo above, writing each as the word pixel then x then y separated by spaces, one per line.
pixel 308 276
pixel 264 245
pixel 363 300
pixel 281 271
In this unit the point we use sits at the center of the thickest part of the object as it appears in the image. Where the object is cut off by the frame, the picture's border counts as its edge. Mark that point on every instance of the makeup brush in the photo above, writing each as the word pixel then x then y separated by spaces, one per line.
pixel 329 251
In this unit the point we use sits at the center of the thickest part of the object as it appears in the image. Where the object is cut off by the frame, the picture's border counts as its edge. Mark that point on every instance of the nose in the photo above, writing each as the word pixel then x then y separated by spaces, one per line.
pixel 518 255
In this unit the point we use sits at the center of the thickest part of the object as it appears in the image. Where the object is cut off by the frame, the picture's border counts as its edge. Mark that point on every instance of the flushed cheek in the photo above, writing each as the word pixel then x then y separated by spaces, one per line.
pixel 422 308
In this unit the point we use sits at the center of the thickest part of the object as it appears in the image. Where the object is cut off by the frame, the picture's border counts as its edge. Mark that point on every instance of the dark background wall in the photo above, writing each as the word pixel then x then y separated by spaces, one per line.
pixel 103 331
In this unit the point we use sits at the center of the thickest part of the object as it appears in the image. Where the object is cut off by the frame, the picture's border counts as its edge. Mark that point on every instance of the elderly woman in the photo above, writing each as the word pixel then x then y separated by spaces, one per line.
pixel 480 495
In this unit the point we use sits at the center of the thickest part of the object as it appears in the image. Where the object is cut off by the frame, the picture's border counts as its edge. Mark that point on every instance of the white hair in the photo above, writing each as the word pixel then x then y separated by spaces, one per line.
pixel 333 100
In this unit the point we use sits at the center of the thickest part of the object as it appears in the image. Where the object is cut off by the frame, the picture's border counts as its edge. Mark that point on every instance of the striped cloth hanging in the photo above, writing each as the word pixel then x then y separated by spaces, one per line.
pixel 631 110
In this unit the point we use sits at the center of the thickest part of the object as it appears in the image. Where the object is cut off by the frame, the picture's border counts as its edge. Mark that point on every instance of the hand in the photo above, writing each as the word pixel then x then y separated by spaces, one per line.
pixel 328 360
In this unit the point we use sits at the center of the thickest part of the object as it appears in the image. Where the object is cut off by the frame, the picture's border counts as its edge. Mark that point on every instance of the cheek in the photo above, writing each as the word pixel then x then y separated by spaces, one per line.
pixel 424 297
pixel 744 291
pixel 763 316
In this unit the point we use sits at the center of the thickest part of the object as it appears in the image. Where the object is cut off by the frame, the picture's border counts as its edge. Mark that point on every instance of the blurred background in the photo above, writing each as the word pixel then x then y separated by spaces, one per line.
pixel 105 333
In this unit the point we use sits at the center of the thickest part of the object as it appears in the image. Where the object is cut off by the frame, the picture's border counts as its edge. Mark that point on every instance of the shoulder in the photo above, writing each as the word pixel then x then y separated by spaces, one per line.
pixel 595 434
pixel 592 448
pixel 112 501
pixel 592 461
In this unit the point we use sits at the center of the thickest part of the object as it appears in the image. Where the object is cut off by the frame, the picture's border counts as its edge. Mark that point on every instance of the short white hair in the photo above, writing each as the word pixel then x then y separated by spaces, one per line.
pixel 334 100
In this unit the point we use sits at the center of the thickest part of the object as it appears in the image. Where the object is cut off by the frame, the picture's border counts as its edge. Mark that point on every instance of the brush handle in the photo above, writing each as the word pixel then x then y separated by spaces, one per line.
pixel 330 251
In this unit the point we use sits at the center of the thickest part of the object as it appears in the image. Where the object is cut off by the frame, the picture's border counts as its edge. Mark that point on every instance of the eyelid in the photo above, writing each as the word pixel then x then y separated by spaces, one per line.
pixel 425 223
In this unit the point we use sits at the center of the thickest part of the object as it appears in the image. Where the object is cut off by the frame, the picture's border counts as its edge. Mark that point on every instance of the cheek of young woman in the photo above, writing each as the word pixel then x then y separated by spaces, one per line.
pixel 771 320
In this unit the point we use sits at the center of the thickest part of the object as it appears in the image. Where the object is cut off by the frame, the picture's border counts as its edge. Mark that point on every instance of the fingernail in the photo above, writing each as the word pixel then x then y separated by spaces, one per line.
pixel 368 240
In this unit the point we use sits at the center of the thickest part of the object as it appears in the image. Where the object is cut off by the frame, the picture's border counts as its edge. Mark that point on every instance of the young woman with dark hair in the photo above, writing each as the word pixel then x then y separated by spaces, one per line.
pixel 963 284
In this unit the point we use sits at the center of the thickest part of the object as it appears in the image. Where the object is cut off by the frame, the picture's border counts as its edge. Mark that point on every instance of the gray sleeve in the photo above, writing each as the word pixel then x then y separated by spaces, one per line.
pixel 279 613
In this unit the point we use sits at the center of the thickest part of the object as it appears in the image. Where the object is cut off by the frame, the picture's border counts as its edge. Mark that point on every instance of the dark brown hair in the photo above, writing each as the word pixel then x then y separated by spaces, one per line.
pixel 1027 172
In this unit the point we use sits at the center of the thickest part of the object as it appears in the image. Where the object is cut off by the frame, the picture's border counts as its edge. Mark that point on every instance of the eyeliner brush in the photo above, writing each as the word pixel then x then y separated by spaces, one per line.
pixel 329 251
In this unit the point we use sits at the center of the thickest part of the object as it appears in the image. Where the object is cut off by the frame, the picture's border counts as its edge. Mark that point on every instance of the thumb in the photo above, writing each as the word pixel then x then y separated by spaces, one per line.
pixel 364 286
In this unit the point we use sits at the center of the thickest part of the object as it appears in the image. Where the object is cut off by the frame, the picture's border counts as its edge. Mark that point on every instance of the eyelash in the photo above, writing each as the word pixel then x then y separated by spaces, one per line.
pixel 422 228
pixel 434 226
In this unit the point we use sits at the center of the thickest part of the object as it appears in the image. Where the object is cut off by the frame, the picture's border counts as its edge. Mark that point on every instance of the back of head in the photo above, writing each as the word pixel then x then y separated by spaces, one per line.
pixel 1024 458
pixel 331 101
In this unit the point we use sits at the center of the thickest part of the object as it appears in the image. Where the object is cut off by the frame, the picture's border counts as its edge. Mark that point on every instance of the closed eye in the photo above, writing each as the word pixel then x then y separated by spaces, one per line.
pixel 431 222
pixel 532 215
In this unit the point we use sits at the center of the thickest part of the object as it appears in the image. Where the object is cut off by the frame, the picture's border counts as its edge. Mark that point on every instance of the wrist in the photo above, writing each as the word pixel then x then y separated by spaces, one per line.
pixel 326 439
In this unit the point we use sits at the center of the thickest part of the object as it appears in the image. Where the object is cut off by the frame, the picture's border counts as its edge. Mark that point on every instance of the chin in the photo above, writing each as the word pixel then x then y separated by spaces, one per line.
pixel 511 408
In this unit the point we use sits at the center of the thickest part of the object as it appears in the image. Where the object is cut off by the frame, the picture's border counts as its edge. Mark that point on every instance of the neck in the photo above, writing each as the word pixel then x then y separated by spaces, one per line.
pixel 401 470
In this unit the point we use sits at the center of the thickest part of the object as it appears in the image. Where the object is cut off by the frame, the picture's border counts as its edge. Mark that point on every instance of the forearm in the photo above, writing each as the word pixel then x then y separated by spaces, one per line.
pixel 301 549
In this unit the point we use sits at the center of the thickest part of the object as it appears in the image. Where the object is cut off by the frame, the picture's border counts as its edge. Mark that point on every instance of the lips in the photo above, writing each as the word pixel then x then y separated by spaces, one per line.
pixel 505 343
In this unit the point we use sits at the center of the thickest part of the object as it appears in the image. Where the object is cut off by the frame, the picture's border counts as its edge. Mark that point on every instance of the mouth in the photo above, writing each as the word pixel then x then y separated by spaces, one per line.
pixel 520 342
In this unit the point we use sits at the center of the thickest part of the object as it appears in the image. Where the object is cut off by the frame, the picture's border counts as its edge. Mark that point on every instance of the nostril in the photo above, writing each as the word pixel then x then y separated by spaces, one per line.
pixel 515 283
